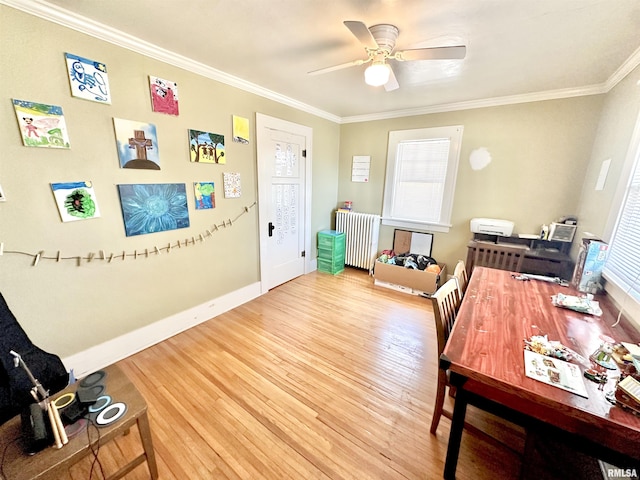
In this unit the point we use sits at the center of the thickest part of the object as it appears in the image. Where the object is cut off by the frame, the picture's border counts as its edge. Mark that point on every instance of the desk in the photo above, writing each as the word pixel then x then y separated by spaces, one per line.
pixel 51 462
pixel 485 358
pixel 541 257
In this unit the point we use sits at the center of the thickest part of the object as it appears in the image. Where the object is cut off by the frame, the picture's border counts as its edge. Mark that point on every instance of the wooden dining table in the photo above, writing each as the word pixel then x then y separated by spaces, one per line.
pixel 485 358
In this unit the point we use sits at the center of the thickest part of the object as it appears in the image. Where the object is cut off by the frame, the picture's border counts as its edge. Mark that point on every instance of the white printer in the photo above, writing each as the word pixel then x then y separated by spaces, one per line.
pixel 492 226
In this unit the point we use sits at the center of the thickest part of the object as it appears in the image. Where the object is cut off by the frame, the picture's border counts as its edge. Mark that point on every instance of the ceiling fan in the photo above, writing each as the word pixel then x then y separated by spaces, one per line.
pixel 379 42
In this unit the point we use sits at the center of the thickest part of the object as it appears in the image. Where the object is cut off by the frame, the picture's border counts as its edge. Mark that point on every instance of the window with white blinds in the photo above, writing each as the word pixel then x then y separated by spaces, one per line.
pixel 623 260
pixel 420 181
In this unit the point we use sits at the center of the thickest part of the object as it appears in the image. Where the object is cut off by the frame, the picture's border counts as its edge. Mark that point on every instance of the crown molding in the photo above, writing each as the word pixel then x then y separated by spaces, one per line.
pixel 483 103
pixel 108 34
pixel 625 69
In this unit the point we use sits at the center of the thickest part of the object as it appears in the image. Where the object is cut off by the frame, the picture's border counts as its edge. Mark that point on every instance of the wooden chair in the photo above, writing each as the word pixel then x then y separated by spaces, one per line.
pixel 460 274
pixel 502 257
pixel 446 301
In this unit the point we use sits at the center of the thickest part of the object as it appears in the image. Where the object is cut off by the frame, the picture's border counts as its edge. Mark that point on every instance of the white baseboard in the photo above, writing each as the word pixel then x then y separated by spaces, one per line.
pixel 111 351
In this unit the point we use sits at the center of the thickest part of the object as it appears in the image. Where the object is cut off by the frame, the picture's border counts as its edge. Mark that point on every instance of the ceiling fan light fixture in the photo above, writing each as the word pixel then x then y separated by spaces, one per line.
pixel 377 74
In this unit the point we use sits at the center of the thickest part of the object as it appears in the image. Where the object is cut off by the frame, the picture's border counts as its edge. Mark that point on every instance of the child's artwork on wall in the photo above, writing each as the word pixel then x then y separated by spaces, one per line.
pixel 88 79
pixel 240 129
pixel 164 95
pixel 205 194
pixel 137 144
pixel 75 200
pixel 151 208
pixel 232 185
pixel 41 125
pixel 205 147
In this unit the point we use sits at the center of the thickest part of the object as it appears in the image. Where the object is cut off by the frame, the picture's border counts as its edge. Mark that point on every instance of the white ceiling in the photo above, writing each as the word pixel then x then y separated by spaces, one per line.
pixel 516 49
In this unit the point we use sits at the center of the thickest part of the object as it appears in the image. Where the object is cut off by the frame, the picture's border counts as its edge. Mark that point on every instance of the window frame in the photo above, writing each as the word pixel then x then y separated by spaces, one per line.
pixel 396 137
pixel 628 287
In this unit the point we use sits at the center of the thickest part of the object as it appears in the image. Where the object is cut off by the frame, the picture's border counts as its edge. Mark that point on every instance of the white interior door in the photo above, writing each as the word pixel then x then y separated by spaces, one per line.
pixel 283 156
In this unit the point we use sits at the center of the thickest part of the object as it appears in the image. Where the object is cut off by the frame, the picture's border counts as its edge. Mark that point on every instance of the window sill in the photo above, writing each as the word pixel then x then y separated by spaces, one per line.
pixel 416 226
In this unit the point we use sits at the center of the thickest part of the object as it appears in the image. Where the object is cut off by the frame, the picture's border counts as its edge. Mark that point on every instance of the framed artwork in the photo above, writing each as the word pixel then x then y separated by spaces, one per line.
pixel 154 207
pixel 240 129
pixel 137 144
pixel 75 200
pixel 205 147
pixel 164 95
pixel 41 125
pixel 232 185
pixel 88 79
pixel 205 195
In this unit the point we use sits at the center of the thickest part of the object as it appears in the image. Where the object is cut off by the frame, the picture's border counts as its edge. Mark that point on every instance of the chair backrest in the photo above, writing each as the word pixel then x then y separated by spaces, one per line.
pixel 460 274
pixel 502 257
pixel 446 301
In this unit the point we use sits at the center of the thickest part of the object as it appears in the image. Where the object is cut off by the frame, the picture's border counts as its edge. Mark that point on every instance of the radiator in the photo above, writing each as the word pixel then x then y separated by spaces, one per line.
pixel 361 237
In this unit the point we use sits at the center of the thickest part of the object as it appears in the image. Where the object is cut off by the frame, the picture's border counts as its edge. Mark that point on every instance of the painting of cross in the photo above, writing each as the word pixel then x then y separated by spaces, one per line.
pixel 137 144
pixel 141 144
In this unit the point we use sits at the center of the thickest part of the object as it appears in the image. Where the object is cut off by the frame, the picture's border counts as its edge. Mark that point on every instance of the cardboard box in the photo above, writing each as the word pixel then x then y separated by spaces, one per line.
pixel 587 275
pixel 407 279
pixel 404 279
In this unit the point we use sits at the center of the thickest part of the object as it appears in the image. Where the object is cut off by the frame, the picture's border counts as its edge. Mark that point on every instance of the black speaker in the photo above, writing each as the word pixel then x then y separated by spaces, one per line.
pixel 36 429
pixel 73 412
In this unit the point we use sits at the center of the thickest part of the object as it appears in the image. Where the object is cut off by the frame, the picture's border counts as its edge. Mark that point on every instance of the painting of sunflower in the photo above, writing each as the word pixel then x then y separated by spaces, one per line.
pixel 151 208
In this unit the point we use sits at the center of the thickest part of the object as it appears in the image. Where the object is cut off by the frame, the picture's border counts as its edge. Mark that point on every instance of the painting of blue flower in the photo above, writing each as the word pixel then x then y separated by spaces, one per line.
pixel 151 208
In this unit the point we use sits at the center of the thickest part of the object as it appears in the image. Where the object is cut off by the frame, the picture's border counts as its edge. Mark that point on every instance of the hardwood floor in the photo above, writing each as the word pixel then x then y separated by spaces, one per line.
pixel 325 377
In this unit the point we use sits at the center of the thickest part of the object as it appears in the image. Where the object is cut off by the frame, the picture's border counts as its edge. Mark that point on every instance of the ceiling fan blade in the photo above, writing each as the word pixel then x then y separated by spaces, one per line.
pixel 392 83
pixel 362 33
pixel 433 53
pixel 354 63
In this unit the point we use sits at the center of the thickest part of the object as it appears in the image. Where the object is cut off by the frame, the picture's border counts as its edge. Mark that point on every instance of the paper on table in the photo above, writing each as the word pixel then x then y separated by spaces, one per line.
pixel 578 304
pixel 633 349
pixel 553 371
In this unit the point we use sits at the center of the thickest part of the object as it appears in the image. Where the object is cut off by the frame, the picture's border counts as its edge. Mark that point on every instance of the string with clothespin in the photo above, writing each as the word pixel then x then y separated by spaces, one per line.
pixel 137 254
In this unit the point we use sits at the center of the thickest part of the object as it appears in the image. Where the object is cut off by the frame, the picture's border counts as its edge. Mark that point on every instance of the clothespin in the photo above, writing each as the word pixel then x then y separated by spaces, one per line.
pixel 58 256
pixel 37 259
pixel 135 254
pixel 1 248
pixel 201 238
pixel 111 257
pixel 157 252
pixel 169 247
pixel 90 257
pixel 146 253
pixel 124 255
pixel 209 232
pixel 78 261
pixel 102 255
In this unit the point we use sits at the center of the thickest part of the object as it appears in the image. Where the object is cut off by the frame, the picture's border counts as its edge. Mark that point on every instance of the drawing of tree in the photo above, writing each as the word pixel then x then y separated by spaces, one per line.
pixel 209 146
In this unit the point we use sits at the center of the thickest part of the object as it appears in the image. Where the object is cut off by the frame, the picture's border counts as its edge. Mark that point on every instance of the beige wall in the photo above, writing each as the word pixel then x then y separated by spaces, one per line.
pixel 613 140
pixel 65 308
pixel 540 152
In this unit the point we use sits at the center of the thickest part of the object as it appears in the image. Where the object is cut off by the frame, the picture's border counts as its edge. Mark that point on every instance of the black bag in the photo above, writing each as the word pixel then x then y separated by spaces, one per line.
pixel 15 385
